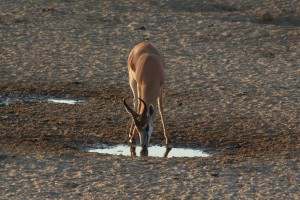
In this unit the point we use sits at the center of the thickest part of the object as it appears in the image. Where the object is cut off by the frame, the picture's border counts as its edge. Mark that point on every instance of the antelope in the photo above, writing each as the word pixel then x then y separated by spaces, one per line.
pixel 146 78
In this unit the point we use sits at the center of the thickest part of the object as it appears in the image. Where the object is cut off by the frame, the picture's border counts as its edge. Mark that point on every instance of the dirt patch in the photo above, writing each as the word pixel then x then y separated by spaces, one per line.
pixel 232 86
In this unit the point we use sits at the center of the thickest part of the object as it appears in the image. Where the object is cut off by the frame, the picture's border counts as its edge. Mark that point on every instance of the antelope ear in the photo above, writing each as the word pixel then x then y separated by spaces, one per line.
pixel 151 109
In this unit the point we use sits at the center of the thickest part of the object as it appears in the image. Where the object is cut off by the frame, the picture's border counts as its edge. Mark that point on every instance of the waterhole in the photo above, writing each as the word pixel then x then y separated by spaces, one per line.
pixel 152 151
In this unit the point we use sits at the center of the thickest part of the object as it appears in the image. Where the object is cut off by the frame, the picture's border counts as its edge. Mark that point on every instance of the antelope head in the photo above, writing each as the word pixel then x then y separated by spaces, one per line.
pixel 143 122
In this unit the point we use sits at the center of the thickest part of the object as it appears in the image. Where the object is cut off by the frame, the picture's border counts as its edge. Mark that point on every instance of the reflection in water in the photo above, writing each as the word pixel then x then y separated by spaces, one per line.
pixel 153 151
pixel 132 151
pixel 144 152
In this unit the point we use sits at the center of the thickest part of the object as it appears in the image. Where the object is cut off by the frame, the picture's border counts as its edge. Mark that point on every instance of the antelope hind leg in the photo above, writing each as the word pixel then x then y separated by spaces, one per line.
pixel 166 134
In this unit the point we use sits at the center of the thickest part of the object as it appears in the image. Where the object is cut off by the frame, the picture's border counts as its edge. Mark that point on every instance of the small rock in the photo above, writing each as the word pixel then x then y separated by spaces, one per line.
pixel 76 83
pixel 215 174
pixel 265 16
pixel 48 10
pixel 143 28
pixel 71 185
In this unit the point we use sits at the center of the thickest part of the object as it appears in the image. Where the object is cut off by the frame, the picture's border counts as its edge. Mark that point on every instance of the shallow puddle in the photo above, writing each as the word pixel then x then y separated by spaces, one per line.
pixel 29 100
pixel 153 151
pixel 66 101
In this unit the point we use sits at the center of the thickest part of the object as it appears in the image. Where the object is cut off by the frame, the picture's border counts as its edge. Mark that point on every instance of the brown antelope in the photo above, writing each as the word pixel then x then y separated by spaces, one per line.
pixel 146 77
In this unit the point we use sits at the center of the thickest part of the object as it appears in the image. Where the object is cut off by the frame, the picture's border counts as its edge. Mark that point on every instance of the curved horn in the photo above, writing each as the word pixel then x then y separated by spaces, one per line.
pixel 133 114
pixel 144 114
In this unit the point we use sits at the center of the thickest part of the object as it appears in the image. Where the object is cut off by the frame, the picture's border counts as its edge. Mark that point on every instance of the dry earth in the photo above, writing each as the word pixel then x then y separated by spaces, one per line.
pixel 233 87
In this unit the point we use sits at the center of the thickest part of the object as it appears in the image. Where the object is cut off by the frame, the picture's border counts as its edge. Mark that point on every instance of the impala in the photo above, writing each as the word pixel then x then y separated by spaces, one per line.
pixel 146 78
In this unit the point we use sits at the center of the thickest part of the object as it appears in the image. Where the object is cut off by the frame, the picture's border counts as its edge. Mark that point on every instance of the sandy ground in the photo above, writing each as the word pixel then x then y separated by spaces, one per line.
pixel 233 88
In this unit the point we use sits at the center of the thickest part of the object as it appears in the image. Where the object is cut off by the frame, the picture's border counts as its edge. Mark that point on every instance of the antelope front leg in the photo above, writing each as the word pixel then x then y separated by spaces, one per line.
pixel 167 136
